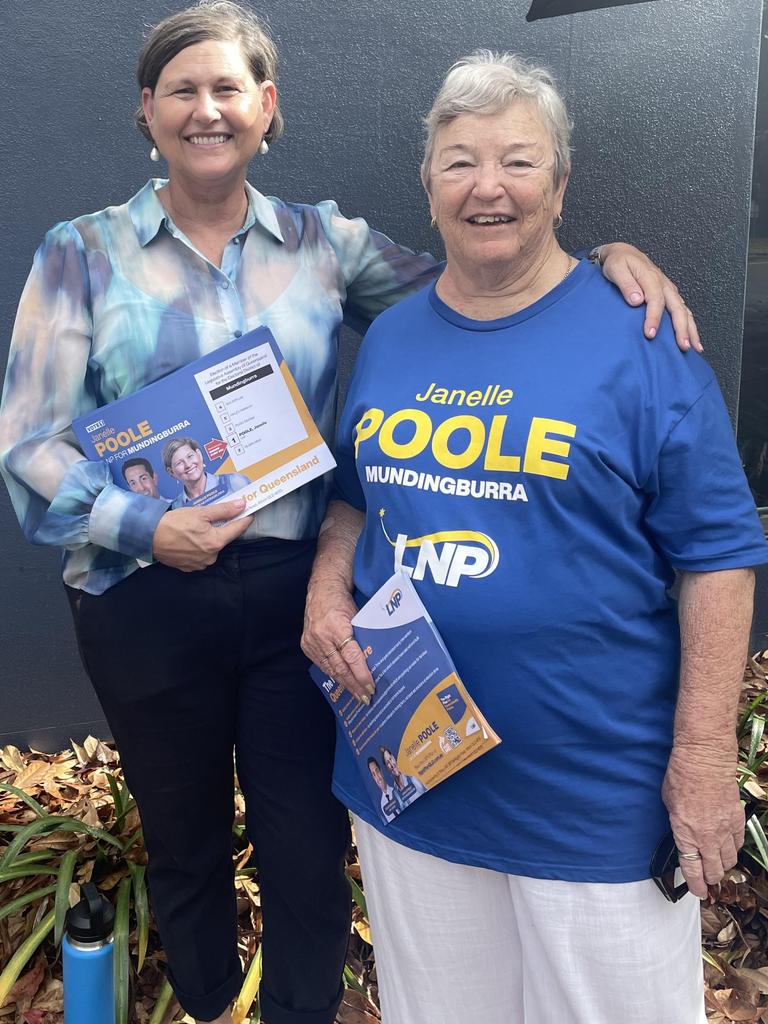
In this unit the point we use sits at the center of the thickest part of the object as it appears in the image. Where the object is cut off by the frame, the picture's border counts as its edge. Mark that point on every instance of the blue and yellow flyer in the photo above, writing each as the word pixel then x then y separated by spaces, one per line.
pixel 422 725
pixel 230 424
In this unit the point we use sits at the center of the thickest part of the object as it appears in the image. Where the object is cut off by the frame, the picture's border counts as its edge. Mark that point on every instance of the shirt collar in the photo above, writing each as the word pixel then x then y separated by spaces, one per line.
pixel 148 214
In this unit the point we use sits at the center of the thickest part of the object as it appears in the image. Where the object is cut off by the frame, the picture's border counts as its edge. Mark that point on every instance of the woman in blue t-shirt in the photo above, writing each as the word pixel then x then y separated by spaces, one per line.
pixel 510 408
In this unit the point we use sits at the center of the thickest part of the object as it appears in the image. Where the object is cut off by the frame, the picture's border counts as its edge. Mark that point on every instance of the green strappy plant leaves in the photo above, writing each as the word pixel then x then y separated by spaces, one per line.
pixel 122 953
pixel 26 950
pixel 82 825
pixel 66 873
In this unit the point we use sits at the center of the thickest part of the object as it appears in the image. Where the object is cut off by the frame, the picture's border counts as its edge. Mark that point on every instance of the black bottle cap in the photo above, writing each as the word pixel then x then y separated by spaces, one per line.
pixel 92 919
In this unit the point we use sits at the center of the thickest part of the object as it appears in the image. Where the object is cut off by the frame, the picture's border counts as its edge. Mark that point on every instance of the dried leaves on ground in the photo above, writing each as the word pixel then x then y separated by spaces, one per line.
pixel 96 835
pixel 735 923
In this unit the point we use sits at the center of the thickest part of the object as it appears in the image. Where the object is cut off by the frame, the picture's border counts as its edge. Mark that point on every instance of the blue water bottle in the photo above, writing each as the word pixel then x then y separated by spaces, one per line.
pixel 89 983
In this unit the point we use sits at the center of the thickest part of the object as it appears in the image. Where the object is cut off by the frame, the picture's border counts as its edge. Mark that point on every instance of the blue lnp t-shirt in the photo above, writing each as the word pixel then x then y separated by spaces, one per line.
pixel 540 476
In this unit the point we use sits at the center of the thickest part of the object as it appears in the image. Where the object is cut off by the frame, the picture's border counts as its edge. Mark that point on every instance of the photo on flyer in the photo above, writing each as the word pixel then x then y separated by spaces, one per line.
pixel 230 424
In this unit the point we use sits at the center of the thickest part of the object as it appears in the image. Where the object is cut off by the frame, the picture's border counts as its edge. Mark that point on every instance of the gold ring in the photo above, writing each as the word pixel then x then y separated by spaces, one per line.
pixel 689 856
pixel 327 657
pixel 344 643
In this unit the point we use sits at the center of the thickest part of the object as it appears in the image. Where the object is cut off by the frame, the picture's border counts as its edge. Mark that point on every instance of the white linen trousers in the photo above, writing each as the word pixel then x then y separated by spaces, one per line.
pixel 457 944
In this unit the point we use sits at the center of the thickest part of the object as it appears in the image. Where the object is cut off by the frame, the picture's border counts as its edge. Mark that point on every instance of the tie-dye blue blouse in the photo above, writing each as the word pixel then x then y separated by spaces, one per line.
pixel 117 299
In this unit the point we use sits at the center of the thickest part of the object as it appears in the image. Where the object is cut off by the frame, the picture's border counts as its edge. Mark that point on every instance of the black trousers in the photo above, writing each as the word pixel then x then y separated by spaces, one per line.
pixel 189 667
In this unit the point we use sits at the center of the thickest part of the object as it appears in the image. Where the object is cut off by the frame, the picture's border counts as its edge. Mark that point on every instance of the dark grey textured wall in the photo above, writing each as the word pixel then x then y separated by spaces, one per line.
pixel 663 98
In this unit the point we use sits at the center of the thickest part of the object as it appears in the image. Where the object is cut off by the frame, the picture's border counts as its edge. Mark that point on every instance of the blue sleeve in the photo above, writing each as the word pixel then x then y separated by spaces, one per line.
pixel 59 497
pixel 377 272
pixel 701 513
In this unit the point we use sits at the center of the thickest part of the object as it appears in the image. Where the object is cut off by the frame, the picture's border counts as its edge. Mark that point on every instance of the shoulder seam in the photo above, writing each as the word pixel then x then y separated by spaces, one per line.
pixel 712 381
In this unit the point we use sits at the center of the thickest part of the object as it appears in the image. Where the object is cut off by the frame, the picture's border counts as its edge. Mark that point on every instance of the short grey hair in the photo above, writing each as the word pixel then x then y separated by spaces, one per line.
pixel 487 83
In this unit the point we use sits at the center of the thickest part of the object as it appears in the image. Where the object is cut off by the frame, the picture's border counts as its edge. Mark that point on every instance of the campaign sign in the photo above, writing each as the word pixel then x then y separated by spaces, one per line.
pixel 421 725
pixel 230 424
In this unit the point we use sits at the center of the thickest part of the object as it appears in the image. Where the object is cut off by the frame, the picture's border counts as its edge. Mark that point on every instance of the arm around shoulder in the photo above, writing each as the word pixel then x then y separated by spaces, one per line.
pixel 640 280
pixel 377 272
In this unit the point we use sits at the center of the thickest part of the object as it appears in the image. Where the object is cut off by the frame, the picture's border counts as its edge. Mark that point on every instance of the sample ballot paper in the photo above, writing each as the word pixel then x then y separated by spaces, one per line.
pixel 251 406
pixel 230 424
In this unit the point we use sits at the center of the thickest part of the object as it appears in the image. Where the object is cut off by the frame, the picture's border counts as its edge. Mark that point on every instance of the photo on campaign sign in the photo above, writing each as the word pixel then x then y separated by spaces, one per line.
pixel 555 8
pixel 230 424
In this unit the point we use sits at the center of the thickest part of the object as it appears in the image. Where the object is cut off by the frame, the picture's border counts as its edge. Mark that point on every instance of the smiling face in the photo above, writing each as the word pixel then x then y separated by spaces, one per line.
pixel 491 187
pixel 207 114
pixel 141 481
pixel 391 763
pixel 187 466
pixel 378 778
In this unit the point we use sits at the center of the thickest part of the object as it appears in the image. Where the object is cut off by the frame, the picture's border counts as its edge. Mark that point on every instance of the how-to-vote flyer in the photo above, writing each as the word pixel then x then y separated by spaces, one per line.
pixel 230 424
pixel 422 725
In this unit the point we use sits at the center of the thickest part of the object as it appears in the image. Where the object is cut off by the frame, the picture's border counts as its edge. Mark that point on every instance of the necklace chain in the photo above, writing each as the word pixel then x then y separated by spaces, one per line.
pixel 570 267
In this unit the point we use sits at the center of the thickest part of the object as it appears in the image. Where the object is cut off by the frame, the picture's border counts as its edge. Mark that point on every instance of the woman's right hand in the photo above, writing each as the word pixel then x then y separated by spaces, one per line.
pixel 188 539
pixel 327 627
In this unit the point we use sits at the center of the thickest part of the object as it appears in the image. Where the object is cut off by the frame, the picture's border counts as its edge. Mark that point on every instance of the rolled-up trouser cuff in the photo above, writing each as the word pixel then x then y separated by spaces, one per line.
pixel 212 1004
pixel 273 1013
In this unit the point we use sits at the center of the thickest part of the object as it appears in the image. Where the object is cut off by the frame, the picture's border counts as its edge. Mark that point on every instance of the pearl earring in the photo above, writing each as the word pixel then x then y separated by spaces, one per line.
pixel 154 154
pixel 263 147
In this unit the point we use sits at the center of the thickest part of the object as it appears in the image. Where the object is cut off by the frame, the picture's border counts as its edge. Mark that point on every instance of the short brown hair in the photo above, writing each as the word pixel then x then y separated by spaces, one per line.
pixel 222 20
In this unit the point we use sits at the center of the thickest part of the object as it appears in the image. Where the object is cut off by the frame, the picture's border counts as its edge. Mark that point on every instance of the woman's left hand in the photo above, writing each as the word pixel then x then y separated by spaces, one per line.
pixel 639 280
pixel 702 796
pixel 328 640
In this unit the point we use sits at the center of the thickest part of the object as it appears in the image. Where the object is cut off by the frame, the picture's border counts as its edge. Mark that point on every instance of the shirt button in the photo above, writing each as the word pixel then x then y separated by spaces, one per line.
pixel 236 241
pixel 225 285
pixel 238 334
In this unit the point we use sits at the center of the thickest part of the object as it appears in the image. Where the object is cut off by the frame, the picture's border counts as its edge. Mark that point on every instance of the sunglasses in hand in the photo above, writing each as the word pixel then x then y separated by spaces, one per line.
pixel 665 860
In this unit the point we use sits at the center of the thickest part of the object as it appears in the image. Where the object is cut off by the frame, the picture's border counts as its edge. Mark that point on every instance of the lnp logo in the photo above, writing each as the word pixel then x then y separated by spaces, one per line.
pixel 393 603
pixel 449 555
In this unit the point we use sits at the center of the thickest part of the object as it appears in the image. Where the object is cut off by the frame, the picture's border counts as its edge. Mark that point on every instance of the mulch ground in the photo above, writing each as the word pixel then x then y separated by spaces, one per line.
pixel 80 783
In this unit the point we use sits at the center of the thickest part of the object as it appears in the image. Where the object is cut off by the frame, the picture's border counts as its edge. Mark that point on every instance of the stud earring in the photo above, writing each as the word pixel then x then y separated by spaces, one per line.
pixel 263 147
pixel 154 154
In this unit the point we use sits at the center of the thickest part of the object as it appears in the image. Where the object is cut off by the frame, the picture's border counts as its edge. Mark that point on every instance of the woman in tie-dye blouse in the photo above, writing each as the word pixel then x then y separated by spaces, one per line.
pixel 115 300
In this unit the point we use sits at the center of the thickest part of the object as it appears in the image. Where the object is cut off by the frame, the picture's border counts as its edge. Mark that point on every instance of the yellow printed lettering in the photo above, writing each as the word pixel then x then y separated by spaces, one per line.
pixel 422 425
pixel 367 426
pixel 458 460
pixel 540 444
pixel 123 438
pixel 416 432
pixel 493 457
